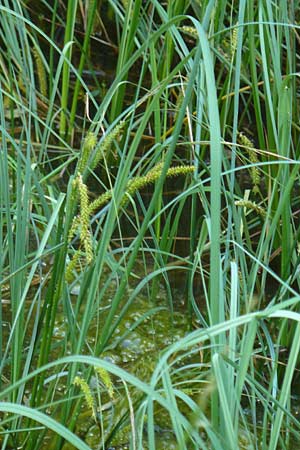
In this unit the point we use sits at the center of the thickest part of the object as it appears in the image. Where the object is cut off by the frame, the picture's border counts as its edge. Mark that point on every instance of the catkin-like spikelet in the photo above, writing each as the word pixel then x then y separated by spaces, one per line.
pixel 81 222
pixel 192 31
pixel 89 144
pixel 41 72
pixel 251 205
pixel 137 183
pixel 78 381
pixel 106 379
pixel 254 171
pixel 107 144
pixel 234 37
pixel 85 235
pixel 71 267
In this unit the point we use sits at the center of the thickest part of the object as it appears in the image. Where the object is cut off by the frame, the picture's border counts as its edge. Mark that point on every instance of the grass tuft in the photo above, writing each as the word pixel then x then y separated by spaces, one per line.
pixel 149 257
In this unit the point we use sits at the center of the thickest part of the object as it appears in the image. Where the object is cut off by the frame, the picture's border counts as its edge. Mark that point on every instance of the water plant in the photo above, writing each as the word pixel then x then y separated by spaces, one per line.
pixel 185 169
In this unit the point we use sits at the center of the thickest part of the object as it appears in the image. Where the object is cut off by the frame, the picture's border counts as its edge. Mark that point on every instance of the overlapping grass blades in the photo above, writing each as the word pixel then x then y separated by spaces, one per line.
pixel 190 80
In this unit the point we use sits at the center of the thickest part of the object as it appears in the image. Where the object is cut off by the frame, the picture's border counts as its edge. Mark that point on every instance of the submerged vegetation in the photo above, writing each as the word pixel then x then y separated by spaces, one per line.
pixel 149 224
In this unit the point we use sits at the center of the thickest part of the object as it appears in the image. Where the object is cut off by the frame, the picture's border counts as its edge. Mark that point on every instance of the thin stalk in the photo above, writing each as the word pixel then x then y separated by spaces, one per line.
pixel 130 26
pixel 86 43
pixel 65 93
pixel 105 334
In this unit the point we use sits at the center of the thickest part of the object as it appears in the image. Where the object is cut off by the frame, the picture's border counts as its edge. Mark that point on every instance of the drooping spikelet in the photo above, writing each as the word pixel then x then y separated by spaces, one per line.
pixel 89 144
pixel 69 274
pixel 78 381
pixel 81 222
pixel 137 183
pixel 233 44
pixel 153 175
pixel 180 170
pixel 100 201
pixel 41 72
pixel 74 227
pixel 179 101
pixel 105 378
pixel 85 235
pixel 254 171
pixel 192 31
pixel 251 205
pixel 107 144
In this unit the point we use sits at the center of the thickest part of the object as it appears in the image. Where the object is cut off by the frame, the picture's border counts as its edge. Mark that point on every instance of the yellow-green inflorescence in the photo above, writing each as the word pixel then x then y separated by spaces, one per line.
pixel 104 376
pixel 41 72
pixel 71 267
pixel 85 235
pixel 254 171
pixel 86 390
pixel 87 148
pixel 107 144
pixel 138 183
pixel 192 31
pixel 82 221
pixel 251 205
pixel 91 158
pixel 234 39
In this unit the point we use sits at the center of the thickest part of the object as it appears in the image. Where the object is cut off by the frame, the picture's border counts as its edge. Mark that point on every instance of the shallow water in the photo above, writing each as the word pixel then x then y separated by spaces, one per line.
pixel 135 349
